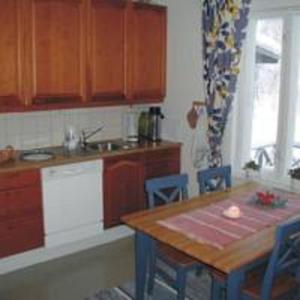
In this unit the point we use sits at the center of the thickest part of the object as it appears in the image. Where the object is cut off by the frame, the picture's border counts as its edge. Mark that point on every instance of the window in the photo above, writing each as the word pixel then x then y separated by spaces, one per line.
pixel 267 71
pixel 268 105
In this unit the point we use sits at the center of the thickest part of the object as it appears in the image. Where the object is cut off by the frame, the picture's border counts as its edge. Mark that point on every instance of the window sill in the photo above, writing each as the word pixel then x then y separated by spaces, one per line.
pixel 269 178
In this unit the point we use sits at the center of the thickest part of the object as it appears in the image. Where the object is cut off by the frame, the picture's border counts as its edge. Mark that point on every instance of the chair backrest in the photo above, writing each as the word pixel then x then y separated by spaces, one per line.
pixel 214 179
pixel 166 189
pixel 285 257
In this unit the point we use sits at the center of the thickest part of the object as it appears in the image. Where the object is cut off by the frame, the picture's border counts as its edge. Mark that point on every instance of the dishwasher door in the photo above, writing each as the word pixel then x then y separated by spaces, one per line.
pixel 72 201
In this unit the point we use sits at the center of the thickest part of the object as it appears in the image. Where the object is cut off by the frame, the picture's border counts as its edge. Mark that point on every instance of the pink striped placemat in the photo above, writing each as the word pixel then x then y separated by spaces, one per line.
pixel 208 225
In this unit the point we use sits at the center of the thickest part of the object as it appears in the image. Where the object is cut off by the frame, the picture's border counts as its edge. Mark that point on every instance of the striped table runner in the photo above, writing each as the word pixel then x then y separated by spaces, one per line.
pixel 208 225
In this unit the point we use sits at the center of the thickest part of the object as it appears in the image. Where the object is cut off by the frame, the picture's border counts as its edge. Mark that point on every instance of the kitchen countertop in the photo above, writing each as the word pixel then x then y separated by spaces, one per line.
pixel 62 158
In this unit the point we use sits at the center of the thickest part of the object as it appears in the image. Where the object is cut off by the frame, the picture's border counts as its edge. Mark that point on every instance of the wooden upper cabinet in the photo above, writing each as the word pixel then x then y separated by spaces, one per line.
pixel 56 51
pixel 11 53
pixel 76 53
pixel 106 50
pixel 147 52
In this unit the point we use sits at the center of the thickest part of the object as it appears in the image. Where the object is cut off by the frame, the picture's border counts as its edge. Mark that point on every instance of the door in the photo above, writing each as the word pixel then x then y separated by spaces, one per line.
pixel 147 52
pixel 106 59
pixel 11 54
pixel 55 51
pixel 123 190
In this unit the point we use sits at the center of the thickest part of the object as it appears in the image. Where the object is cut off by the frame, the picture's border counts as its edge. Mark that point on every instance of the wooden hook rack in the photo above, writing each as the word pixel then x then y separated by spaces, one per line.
pixel 199 103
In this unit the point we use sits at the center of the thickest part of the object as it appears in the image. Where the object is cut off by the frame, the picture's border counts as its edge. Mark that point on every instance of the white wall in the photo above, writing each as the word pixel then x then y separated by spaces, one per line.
pixel 258 5
pixel 184 76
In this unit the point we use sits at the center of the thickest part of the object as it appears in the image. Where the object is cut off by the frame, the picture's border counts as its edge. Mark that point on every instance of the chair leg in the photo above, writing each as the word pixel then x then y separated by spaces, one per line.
pixel 216 290
pixel 152 269
pixel 181 283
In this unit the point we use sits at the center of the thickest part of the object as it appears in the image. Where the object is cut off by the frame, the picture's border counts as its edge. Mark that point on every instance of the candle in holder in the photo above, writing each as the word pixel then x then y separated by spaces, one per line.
pixel 232 212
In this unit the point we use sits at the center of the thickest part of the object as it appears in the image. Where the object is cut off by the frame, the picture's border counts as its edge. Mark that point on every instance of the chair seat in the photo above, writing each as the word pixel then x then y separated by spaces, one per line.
pixel 174 257
pixel 252 287
pixel 283 285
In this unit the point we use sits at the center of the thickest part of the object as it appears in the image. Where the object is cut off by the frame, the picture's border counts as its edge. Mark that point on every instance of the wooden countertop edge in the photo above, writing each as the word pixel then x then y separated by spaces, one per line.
pixel 60 159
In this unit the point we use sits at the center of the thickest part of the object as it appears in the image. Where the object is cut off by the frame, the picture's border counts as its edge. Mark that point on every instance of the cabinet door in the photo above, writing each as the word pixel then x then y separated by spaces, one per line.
pixel 106 59
pixel 123 190
pixel 147 54
pixel 11 54
pixel 21 213
pixel 55 51
pixel 17 236
pixel 20 203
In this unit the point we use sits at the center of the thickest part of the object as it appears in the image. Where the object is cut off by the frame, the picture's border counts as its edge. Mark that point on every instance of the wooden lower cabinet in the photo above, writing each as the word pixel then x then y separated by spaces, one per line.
pixel 123 188
pixel 17 236
pixel 124 180
pixel 21 216
pixel 162 162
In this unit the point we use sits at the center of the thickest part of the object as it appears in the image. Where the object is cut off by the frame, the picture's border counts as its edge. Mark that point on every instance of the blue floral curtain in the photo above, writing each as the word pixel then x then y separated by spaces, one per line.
pixel 224 29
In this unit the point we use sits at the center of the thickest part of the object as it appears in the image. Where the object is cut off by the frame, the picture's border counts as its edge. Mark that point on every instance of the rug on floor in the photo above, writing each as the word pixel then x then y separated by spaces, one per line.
pixel 198 288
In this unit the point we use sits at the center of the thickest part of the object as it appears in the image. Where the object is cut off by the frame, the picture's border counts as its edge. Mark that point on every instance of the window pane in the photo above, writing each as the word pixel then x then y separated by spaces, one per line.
pixel 267 90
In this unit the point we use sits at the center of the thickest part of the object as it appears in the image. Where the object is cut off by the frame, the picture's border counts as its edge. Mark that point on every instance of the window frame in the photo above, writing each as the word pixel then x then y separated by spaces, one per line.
pixel 287 105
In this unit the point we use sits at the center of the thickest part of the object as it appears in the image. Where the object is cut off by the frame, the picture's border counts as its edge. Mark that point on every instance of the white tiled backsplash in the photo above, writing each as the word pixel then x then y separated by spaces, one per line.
pixel 42 129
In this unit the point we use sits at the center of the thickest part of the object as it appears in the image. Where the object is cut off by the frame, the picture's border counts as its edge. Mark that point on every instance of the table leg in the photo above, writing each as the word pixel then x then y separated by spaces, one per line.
pixel 234 282
pixel 143 247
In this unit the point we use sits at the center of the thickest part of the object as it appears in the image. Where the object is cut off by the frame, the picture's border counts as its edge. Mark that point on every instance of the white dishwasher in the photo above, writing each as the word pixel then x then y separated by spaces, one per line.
pixel 72 201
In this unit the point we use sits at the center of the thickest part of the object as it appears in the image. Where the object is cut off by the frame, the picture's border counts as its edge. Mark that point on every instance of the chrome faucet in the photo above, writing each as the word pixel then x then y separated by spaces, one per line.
pixel 85 135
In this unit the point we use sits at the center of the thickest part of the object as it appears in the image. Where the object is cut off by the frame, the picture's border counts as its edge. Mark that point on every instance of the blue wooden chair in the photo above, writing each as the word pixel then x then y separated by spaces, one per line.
pixel 214 179
pixel 168 189
pixel 279 277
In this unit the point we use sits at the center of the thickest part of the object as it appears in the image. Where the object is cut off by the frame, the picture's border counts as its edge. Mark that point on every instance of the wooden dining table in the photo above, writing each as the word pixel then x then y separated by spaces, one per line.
pixel 232 260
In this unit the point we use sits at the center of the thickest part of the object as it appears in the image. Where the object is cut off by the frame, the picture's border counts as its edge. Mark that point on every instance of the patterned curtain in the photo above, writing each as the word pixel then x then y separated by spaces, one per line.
pixel 224 29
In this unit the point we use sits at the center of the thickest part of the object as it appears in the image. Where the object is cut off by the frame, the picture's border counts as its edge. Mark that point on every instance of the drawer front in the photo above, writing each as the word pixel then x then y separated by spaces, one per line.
pixel 162 168
pixel 162 163
pixel 19 179
pixel 17 237
pixel 161 155
pixel 20 203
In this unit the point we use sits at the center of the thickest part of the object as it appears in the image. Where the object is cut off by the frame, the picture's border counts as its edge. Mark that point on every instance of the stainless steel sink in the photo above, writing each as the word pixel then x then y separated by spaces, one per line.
pixel 37 155
pixel 104 146
pixel 111 146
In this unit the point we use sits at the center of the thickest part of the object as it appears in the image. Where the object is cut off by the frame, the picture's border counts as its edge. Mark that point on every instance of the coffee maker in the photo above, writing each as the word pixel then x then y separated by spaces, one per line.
pixel 150 124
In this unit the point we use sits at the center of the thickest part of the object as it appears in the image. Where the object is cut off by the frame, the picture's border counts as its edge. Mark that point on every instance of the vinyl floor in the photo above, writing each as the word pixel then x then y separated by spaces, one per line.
pixel 73 277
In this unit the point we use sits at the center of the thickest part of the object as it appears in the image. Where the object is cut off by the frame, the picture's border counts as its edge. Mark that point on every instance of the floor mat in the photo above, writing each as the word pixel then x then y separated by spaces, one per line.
pixel 198 288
